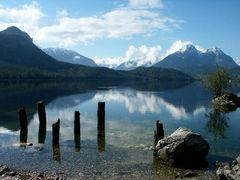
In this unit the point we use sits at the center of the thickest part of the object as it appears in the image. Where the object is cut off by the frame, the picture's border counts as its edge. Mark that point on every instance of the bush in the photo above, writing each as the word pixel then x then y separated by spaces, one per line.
pixel 218 81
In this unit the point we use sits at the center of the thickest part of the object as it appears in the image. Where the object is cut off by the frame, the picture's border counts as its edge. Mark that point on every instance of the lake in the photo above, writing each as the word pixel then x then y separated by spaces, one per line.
pixel 125 150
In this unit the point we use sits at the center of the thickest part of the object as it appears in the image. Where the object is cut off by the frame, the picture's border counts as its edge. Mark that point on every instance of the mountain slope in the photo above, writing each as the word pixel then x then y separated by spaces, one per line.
pixel 17 48
pixel 69 56
pixel 21 59
pixel 195 62
pixel 155 73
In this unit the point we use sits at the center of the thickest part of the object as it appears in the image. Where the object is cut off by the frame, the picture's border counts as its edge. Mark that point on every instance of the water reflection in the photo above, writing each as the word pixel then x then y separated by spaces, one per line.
pixel 101 140
pixel 23 138
pixel 125 106
pixel 56 153
pixel 217 123
pixel 147 102
pixel 127 137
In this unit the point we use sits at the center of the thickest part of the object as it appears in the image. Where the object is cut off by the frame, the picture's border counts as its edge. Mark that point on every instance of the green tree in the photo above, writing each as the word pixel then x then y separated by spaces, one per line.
pixel 218 81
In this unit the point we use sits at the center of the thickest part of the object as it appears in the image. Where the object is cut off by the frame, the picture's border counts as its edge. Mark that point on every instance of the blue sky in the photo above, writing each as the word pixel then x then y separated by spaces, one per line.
pixel 114 30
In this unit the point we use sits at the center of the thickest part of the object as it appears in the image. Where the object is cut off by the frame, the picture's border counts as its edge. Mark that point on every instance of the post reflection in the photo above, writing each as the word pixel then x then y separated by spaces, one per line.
pixel 101 140
pixel 56 153
pixel 42 133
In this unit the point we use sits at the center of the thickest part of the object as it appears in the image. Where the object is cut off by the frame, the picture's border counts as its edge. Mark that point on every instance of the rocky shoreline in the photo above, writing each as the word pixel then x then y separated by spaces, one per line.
pixel 9 174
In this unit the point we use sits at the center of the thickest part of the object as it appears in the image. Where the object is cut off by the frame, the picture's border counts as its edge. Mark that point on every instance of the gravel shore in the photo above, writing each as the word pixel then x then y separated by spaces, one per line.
pixel 10 174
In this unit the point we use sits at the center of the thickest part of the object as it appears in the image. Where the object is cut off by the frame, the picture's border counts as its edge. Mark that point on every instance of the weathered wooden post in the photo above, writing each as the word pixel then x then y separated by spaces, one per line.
pixel 23 126
pixel 101 115
pixel 55 133
pixel 158 134
pixel 23 119
pixel 101 126
pixel 77 131
pixel 42 122
pixel 55 141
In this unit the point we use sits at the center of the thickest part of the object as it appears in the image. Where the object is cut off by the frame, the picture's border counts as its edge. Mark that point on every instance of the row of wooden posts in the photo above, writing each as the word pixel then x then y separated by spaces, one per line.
pixel 158 133
pixel 56 127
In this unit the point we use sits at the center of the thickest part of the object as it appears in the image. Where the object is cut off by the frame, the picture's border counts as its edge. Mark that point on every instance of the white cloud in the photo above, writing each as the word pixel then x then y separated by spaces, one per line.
pixel 137 56
pixel 144 4
pixel 114 24
pixel 143 55
pixel 62 13
pixel 110 62
pixel 27 17
pixel 122 22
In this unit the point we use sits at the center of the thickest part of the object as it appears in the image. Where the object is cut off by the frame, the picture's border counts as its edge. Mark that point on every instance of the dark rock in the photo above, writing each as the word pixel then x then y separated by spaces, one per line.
pixel 182 146
pixel 11 173
pixel 226 171
pixel 3 170
pixel 190 174
pixel 227 102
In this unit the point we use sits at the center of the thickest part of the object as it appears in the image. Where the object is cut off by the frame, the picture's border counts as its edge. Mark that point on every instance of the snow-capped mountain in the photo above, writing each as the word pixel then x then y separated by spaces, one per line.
pixel 238 61
pixel 193 61
pixel 69 56
pixel 134 57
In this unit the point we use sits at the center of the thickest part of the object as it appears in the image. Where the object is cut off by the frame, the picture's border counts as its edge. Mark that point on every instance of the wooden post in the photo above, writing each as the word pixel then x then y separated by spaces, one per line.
pixel 23 119
pixel 42 116
pixel 101 126
pixel 55 133
pixel 158 134
pixel 42 122
pixel 101 115
pixel 77 131
pixel 23 126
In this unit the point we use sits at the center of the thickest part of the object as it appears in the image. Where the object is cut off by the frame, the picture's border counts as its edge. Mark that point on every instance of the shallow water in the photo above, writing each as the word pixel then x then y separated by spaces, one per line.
pixel 126 147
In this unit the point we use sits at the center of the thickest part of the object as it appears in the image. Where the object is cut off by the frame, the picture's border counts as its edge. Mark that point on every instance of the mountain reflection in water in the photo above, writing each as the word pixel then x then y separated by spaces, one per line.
pixel 131 113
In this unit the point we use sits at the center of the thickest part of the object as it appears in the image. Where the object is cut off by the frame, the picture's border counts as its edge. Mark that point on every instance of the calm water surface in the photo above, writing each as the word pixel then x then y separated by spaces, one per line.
pixel 125 150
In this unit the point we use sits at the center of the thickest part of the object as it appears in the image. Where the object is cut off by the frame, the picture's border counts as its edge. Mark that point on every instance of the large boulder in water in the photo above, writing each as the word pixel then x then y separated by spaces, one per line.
pixel 226 102
pixel 182 146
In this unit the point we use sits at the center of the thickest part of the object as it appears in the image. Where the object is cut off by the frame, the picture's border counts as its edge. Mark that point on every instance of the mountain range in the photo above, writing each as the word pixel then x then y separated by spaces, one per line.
pixel 69 56
pixel 20 58
pixel 196 62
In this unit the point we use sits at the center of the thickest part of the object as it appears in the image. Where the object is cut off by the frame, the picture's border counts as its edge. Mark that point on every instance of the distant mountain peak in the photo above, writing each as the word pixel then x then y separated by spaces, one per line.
pixel 189 48
pixel 215 50
pixel 13 30
pixel 192 60
pixel 69 56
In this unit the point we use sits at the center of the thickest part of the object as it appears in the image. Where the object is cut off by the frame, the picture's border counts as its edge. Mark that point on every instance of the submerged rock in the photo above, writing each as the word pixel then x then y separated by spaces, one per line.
pixel 227 102
pixel 226 171
pixel 182 147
